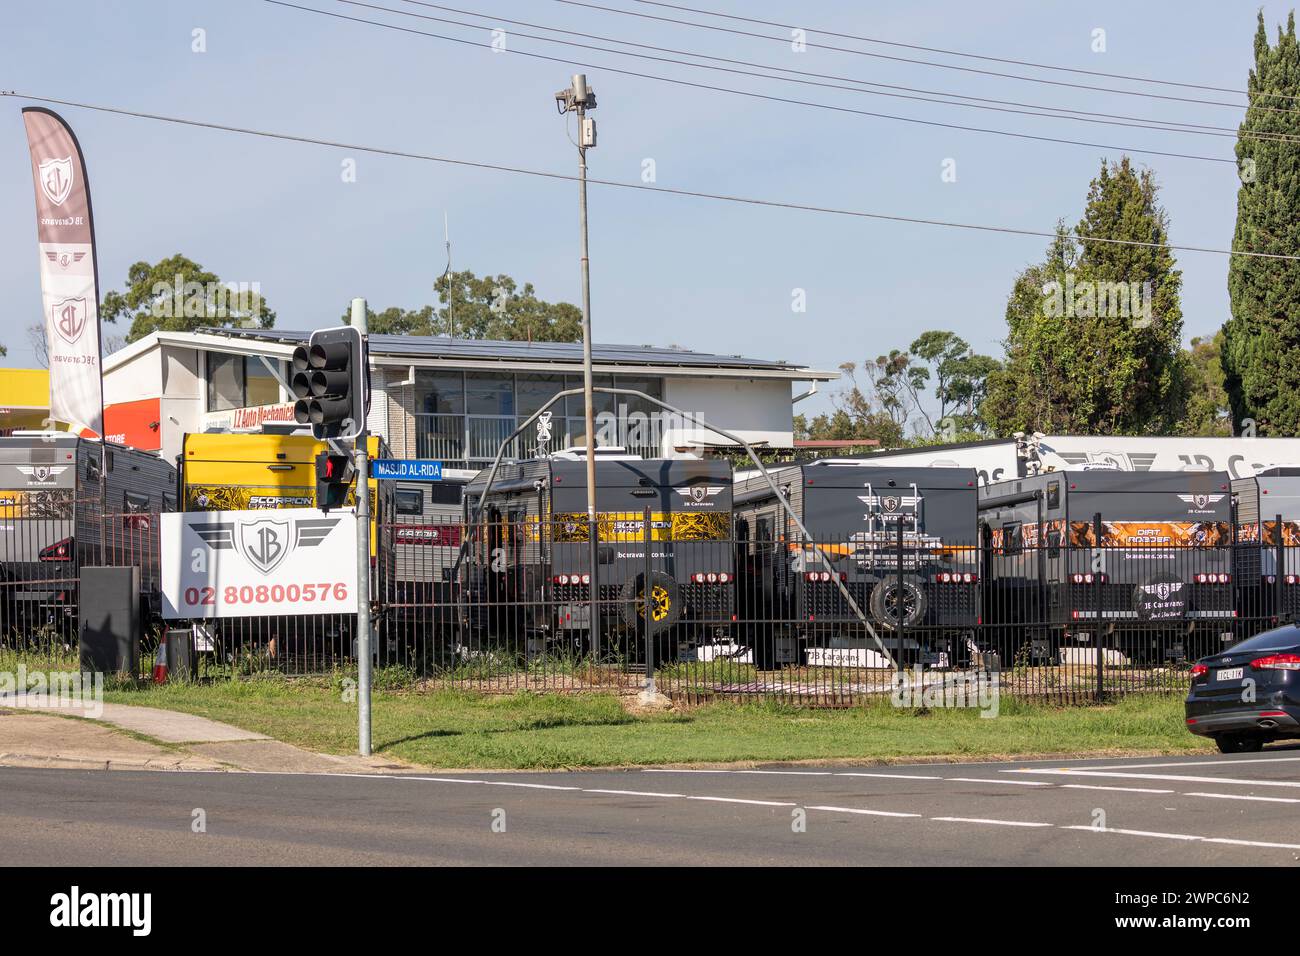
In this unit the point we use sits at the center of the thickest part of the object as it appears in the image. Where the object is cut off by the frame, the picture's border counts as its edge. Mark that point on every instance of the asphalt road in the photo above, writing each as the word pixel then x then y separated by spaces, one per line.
pixel 1221 810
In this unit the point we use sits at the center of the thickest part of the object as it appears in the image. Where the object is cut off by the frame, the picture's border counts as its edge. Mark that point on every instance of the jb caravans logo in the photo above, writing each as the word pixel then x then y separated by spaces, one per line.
pixel 699 496
pixel 56 179
pixel 1200 504
pixel 888 505
pixel 265 543
pixel 41 474
pixel 69 319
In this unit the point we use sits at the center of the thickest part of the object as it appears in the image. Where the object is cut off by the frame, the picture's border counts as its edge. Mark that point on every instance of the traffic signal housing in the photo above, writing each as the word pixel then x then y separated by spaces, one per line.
pixel 331 382
pixel 334 477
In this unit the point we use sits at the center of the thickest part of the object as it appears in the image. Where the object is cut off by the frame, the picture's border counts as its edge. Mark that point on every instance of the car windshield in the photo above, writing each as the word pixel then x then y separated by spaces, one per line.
pixel 1277 639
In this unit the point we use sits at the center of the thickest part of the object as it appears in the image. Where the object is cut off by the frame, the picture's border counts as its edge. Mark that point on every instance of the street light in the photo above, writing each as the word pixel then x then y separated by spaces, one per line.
pixel 580 98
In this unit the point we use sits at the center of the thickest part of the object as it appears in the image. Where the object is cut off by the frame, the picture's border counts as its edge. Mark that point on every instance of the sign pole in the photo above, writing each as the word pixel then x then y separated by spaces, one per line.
pixel 363 563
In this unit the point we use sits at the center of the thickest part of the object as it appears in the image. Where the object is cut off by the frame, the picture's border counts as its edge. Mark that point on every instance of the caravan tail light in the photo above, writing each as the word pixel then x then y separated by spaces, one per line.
pixel 1089 578
pixel 1292 579
pixel 58 551
pixel 819 575
pixel 571 579
pixel 1213 578
pixel 710 577
pixel 956 577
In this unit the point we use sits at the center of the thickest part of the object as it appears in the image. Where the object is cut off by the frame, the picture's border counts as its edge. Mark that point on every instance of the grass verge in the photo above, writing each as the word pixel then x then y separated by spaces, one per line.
pixel 449 728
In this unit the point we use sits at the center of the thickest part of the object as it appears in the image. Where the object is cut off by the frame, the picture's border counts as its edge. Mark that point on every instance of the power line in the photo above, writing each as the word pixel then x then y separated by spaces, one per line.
pixel 643 187
pixel 901 59
pixel 1085 116
pixel 972 56
pixel 753 95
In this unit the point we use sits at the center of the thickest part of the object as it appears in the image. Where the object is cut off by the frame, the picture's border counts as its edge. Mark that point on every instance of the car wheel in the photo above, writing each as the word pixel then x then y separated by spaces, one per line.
pixel 1239 743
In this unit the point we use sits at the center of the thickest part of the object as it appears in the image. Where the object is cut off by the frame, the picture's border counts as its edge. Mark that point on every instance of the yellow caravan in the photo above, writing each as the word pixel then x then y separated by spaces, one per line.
pixel 249 472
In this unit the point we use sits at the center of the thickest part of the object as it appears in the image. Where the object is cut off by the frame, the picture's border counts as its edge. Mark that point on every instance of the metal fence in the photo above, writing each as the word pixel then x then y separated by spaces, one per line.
pixel 509 605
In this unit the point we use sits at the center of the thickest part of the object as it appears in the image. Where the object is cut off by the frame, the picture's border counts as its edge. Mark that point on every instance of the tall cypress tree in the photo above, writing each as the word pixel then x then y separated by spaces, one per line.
pixel 1261 342
pixel 1094 330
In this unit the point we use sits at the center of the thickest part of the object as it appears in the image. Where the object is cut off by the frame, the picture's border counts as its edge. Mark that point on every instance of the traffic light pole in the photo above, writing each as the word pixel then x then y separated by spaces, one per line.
pixel 363 565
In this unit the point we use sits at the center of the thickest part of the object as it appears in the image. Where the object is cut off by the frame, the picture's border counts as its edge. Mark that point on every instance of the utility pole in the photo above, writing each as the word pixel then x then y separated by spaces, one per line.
pixel 361 323
pixel 580 98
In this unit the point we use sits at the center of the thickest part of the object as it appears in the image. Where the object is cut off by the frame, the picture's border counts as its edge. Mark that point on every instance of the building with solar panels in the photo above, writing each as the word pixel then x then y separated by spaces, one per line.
pixel 456 400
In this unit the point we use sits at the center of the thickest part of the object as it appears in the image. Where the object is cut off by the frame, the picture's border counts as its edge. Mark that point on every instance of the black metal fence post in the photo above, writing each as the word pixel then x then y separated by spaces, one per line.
pixel 900 599
pixel 1279 572
pixel 1099 593
pixel 648 606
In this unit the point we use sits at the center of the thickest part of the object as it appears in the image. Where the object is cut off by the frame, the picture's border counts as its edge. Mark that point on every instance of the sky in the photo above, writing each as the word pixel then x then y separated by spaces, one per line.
pixel 665 270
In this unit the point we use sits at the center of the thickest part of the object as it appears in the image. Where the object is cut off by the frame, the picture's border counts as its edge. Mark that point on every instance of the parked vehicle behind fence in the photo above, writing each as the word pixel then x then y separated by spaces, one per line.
pixel 527 574
pixel 54 521
pixel 1152 551
pixel 902 541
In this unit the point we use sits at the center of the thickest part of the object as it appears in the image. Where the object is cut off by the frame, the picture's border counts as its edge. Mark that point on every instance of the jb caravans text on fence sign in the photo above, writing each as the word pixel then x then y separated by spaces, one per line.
pixel 258 563
pixel 409 469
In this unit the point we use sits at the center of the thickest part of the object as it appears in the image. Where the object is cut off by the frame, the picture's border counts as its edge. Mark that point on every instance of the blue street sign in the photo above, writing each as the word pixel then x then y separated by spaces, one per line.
pixel 409 469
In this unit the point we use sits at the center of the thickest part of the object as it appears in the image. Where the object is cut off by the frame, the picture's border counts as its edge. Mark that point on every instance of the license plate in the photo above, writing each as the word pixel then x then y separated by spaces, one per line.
pixel 1229 673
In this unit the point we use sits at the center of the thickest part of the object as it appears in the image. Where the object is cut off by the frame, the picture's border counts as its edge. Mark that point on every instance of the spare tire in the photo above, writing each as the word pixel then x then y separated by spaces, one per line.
pixel 665 602
pixel 884 603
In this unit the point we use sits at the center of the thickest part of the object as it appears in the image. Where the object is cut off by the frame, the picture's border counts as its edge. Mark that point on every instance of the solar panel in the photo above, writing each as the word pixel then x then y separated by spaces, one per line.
pixel 568 352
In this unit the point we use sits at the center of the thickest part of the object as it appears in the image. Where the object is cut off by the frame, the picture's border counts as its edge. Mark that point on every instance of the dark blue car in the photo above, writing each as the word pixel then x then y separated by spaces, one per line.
pixel 1249 694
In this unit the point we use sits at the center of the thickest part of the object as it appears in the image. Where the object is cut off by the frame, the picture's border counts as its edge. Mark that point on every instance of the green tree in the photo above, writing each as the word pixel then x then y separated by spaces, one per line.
pixel 179 295
pixel 960 379
pixel 1207 400
pixel 1261 343
pixel 1093 331
pixel 491 307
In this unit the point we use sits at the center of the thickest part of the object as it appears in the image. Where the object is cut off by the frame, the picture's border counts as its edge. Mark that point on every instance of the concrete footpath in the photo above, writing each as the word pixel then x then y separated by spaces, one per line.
pixel 35 733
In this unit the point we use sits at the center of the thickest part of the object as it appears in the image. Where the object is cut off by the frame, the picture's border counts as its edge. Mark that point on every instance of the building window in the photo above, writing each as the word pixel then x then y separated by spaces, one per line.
pixel 238 381
pixel 489 393
pixel 441 393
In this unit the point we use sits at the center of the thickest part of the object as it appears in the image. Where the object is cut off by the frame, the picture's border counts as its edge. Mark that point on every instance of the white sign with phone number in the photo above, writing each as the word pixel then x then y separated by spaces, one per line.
pixel 258 563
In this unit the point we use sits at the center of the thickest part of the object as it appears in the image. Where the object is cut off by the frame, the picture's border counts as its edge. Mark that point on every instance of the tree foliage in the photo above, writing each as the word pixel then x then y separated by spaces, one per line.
pixel 1094 330
pixel 491 307
pixel 179 295
pixel 1207 400
pixel 1261 343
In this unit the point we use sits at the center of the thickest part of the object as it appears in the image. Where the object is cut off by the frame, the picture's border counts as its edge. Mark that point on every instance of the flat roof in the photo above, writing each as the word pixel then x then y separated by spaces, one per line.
pixel 486 353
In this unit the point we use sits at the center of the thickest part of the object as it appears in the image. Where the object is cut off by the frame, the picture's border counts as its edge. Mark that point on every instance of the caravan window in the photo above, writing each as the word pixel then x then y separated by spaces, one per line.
pixel 1012 538
pixel 763 528
pixel 1053 494
pixel 410 501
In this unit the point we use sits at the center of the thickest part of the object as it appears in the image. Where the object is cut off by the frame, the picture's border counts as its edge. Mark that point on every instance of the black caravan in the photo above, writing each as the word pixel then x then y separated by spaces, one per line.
pixel 1266 566
pixel 528 574
pixel 1160 571
pixel 55 522
pixel 895 537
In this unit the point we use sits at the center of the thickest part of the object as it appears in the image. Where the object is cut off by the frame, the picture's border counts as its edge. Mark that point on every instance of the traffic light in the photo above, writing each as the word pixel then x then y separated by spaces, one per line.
pixel 334 474
pixel 331 383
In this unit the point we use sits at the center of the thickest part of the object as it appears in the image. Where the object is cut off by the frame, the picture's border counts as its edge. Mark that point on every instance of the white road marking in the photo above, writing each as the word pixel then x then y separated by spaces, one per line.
pixel 1000 823
pixel 1193 763
pixel 1186 778
pixel 639 793
pixel 891 776
pixel 1242 796
pixel 757 803
pixel 1190 838
pixel 1018 783
pixel 1095 786
pixel 871 813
